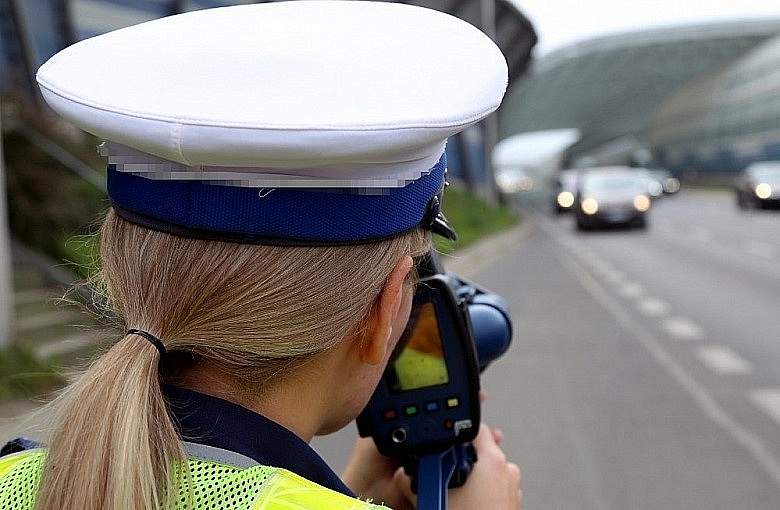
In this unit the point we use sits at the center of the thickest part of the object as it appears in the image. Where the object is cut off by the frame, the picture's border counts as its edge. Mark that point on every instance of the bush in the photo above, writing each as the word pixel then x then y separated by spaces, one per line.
pixel 24 374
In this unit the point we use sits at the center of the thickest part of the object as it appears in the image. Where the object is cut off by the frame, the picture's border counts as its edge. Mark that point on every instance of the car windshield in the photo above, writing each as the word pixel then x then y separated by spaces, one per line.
pixel 568 181
pixel 611 183
pixel 767 175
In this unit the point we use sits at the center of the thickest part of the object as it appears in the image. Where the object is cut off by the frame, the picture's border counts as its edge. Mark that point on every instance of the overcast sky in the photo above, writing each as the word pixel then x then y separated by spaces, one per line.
pixel 559 22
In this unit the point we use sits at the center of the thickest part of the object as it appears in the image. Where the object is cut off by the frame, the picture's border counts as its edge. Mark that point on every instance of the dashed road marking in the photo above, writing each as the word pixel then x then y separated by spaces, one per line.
pixel 614 277
pixel 600 265
pixel 631 290
pixel 653 307
pixel 723 360
pixel 761 249
pixel 748 440
pixel 682 328
pixel 768 400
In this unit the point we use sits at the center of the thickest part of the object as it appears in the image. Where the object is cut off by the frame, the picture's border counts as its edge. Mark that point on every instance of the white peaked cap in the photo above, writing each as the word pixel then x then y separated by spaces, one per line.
pixel 353 91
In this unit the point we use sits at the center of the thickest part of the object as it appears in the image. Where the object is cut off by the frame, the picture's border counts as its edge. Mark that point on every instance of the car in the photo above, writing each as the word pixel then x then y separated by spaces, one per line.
pixel 653 187
pixel 511 181
pixel 669 183
pixel 564 188
pixel 759 186
pixel 612 197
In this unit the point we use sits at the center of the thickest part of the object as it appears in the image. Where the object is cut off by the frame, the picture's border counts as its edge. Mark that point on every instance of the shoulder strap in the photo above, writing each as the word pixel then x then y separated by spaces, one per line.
pixel 218 455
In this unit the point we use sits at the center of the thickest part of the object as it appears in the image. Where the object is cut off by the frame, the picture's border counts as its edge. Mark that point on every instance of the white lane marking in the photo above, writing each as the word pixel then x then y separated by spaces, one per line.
pixel 614 277
pixel 631 290
pixel 708 405
pixel 723 360
pixel 681 328
pixel 760 249
pixel 769 401
pixel 600 265
pixel 653 307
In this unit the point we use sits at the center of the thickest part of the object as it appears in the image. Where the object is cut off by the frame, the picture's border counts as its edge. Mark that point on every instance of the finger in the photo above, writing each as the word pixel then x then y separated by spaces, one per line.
pixel 483 396
pixel 484 440
pixel 514 473
pixel 498 436
pixel 404 485
pixel 486 444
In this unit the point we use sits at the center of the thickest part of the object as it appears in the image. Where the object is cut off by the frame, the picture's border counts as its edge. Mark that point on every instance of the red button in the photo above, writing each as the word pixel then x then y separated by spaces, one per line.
pixel 448 424
pixel 390 414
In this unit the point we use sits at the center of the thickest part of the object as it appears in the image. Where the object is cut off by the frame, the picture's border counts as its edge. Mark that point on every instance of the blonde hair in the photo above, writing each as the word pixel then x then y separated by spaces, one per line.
pixel 252 310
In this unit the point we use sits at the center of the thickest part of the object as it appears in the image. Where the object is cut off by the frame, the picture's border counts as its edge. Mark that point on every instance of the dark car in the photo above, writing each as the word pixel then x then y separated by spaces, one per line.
pixel 564 187
pixel 669 183
pixel 609 197
pixel 759 186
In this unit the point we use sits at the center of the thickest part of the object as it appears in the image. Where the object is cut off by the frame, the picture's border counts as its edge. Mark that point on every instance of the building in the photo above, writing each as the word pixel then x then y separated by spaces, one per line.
pixel 33 30
pixel 725 121
pixel 626 93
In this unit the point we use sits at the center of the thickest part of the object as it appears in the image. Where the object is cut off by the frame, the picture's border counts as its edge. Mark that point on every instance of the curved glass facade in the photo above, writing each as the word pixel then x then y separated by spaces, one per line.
pixel 613 87
pixel 726 121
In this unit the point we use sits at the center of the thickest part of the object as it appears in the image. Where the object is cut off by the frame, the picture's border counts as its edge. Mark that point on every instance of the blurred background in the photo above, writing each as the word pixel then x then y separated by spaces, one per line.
pixel 624 199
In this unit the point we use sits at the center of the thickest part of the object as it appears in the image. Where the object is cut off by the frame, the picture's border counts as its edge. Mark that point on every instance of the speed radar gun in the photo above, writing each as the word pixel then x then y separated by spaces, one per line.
pixel 426 410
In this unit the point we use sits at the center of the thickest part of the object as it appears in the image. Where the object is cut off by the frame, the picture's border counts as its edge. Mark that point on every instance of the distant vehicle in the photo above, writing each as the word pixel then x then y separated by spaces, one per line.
pixel 759 185
pixel 514 181
pixel 612 196
pixel 669 183
pixel 564 190
pixel 652 185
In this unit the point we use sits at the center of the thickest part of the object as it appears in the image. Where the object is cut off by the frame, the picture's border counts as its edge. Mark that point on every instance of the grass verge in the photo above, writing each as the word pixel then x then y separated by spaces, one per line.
pixel 24 375
pixel 473 218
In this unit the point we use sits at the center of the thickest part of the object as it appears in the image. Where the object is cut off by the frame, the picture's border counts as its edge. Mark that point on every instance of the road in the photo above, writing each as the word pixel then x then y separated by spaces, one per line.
pixel 645 369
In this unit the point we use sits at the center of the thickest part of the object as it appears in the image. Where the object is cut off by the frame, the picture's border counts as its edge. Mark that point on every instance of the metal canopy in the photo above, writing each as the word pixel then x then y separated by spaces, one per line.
pixel 611 87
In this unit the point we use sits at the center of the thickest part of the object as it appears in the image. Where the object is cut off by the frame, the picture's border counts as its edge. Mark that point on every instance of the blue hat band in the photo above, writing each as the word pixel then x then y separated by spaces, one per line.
pixel 281 216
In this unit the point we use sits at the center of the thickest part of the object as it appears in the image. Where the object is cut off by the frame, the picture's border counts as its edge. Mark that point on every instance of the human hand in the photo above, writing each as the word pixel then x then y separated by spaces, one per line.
pixel 493 483
pixel 369 474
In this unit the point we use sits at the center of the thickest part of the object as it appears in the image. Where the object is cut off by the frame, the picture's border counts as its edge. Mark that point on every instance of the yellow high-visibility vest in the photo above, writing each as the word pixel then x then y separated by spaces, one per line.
pixel 219 480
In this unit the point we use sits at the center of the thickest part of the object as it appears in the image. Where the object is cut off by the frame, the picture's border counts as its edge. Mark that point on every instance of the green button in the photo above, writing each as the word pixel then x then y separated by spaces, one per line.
pixel 410 410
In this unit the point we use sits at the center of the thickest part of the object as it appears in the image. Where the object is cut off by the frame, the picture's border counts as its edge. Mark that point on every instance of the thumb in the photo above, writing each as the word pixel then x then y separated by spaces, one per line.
pixel 404 485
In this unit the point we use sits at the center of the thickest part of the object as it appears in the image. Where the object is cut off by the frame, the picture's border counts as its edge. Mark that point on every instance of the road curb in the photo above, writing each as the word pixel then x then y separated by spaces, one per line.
pixel 470 260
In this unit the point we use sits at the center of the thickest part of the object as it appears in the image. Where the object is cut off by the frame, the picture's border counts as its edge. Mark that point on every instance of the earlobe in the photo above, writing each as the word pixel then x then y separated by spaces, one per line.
pixel 376 343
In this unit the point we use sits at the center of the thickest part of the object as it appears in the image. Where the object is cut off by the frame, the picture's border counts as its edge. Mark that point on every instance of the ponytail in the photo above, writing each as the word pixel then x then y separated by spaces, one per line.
pixel 113 441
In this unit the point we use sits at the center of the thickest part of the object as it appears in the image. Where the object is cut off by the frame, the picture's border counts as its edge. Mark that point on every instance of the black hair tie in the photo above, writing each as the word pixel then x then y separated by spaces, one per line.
pixel 152 339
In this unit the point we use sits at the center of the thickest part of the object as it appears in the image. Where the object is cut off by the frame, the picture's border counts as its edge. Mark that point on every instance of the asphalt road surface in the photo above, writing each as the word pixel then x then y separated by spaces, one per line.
pixel 645 369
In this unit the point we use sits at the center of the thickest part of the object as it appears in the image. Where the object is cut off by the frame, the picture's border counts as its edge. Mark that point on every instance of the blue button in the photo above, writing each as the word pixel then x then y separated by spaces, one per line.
pixel 431 406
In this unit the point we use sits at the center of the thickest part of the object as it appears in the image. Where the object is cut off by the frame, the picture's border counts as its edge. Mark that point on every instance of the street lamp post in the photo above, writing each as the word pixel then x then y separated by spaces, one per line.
pixel 490 124
pixel 6 285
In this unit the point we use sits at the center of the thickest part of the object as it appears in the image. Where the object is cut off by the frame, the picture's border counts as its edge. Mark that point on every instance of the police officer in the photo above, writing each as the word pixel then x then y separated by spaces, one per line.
pixel 272 171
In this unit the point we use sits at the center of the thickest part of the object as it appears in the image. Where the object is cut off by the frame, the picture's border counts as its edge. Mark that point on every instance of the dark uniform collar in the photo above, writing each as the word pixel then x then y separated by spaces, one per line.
pixel 215 422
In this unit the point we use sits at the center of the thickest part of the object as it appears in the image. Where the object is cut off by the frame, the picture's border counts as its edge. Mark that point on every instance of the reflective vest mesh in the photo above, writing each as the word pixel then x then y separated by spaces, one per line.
pixel 213 486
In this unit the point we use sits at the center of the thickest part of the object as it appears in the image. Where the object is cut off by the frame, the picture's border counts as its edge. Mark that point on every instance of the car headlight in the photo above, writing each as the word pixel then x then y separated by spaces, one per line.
pixel 590 206
pixel 763 190
pixel 641 203
pixel 565 199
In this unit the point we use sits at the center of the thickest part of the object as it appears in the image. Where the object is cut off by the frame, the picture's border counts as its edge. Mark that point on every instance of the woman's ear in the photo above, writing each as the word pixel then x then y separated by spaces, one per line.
pixel 379 333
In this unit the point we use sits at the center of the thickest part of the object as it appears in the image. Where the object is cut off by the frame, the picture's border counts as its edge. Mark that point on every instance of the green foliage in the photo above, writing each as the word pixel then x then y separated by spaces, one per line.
pixel 80 254
pixel 473 218
pixel 47 203
pixel 24 374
